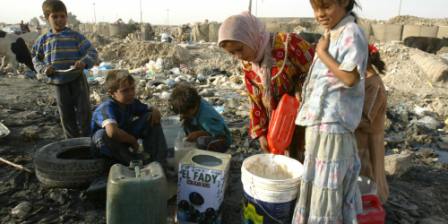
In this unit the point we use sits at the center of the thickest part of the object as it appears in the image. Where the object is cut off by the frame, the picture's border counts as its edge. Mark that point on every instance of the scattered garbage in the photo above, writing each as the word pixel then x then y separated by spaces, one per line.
pixel 21 210
pixel 15 165
pixel 219 109
pixel 4 131
pixel 30 133
pixel 175 71
pixel 421 111
pixel 97 74
pixel 30 74
pixel 429 122
pixel 442 156
pixel 166 38
pixel 165 95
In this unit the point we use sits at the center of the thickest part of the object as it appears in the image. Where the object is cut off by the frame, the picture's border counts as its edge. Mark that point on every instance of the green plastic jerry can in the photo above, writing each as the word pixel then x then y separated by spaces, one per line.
pixel 136 194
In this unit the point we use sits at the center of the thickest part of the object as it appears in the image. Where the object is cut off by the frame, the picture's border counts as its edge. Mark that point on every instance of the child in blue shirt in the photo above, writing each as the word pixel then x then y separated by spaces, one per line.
pixel 60 49
pixel 121 120
pixel 201 122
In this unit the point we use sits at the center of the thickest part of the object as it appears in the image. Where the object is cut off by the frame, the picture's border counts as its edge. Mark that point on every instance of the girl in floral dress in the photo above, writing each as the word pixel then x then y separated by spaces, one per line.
pixel 332 102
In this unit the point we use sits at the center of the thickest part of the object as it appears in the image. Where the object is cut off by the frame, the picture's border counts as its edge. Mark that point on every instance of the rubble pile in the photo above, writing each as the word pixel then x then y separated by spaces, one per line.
pixel 414 20
pixel 416 139
pixel 97 40
pixel 402 74
pixel 138 53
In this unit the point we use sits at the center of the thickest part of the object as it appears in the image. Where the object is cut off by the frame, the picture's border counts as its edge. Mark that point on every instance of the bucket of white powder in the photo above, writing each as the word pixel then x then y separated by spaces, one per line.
pixel 271 186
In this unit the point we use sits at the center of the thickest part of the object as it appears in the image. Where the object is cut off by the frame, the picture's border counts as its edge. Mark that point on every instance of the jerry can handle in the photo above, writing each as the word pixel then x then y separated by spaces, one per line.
pixel 372 200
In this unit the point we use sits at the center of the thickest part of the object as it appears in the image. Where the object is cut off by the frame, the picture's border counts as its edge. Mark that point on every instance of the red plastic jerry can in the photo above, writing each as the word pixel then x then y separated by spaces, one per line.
pixel 373 211
pixel 282 124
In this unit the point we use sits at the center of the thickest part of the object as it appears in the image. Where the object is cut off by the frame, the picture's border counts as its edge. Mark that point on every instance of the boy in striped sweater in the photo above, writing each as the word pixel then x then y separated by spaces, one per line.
pixel 60 49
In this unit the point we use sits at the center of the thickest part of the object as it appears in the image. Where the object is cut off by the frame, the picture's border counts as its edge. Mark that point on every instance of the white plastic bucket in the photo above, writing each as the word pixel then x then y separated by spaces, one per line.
pixel 271 185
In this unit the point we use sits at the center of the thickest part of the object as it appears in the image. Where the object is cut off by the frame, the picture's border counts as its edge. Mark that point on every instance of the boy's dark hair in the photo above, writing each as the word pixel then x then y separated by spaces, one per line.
pixel 349 8
pixel 183 98
pixel 375 61
pixel 51 6
pixel 116 78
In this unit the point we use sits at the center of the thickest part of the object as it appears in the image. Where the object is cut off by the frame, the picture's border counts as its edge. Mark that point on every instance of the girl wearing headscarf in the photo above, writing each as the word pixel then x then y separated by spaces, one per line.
pixel 273 64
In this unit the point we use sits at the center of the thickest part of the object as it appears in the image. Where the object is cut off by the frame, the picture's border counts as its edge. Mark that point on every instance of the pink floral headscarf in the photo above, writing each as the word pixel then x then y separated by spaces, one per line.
pixel 249 30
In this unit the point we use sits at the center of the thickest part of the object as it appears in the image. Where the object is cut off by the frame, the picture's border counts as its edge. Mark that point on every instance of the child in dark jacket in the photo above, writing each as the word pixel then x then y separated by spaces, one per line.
pixel 121 120
pixel 202 123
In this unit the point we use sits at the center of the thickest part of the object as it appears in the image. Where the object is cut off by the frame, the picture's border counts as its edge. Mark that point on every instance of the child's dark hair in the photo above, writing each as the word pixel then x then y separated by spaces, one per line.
pixel 51 6
pixel 117 78
pixel 183 98
pixel 376 62
pixel 349 8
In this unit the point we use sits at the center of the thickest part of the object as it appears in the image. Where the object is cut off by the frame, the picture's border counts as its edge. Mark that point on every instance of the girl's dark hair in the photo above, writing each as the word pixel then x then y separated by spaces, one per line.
pixel 375 61
pixel 351 5
pixel 52 6
pixel 183 98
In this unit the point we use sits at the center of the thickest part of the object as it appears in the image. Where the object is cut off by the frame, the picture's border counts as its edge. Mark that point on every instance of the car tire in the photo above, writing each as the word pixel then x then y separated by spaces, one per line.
pixel 67 164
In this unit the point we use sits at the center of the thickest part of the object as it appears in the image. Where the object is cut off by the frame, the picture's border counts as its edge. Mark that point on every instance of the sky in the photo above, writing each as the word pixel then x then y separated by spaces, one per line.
pixel 175 12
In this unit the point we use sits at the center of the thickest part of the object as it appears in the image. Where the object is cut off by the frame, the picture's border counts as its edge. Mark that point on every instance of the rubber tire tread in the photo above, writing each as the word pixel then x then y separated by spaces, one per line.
pixel 66 173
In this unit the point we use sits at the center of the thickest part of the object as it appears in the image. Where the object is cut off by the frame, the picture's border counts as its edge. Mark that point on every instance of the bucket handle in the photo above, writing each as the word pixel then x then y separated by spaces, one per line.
pixel 259 205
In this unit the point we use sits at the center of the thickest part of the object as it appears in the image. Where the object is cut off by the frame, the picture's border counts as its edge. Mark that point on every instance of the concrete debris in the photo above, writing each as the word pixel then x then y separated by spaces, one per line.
pixel 426 152
pixel 434 67
pixel 429 122
pixel 397 164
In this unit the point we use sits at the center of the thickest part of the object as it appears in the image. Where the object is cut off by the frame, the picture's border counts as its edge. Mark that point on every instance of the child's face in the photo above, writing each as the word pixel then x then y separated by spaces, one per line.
pixel 330 13
pixel 57 20
pixel 240 50
pixel 125 94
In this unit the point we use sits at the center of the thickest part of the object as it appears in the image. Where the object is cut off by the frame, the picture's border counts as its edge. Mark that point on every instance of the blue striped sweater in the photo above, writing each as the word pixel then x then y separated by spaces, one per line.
pixel 61 50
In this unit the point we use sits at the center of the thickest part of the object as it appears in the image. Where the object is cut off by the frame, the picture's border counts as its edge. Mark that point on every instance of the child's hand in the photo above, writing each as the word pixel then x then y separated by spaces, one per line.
pixel 323 44
pixel 196 134
pixel 298 96
pixel 49 71
pixel 134 145
pixel 155 117
pixel 80 65
pixel 263 144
